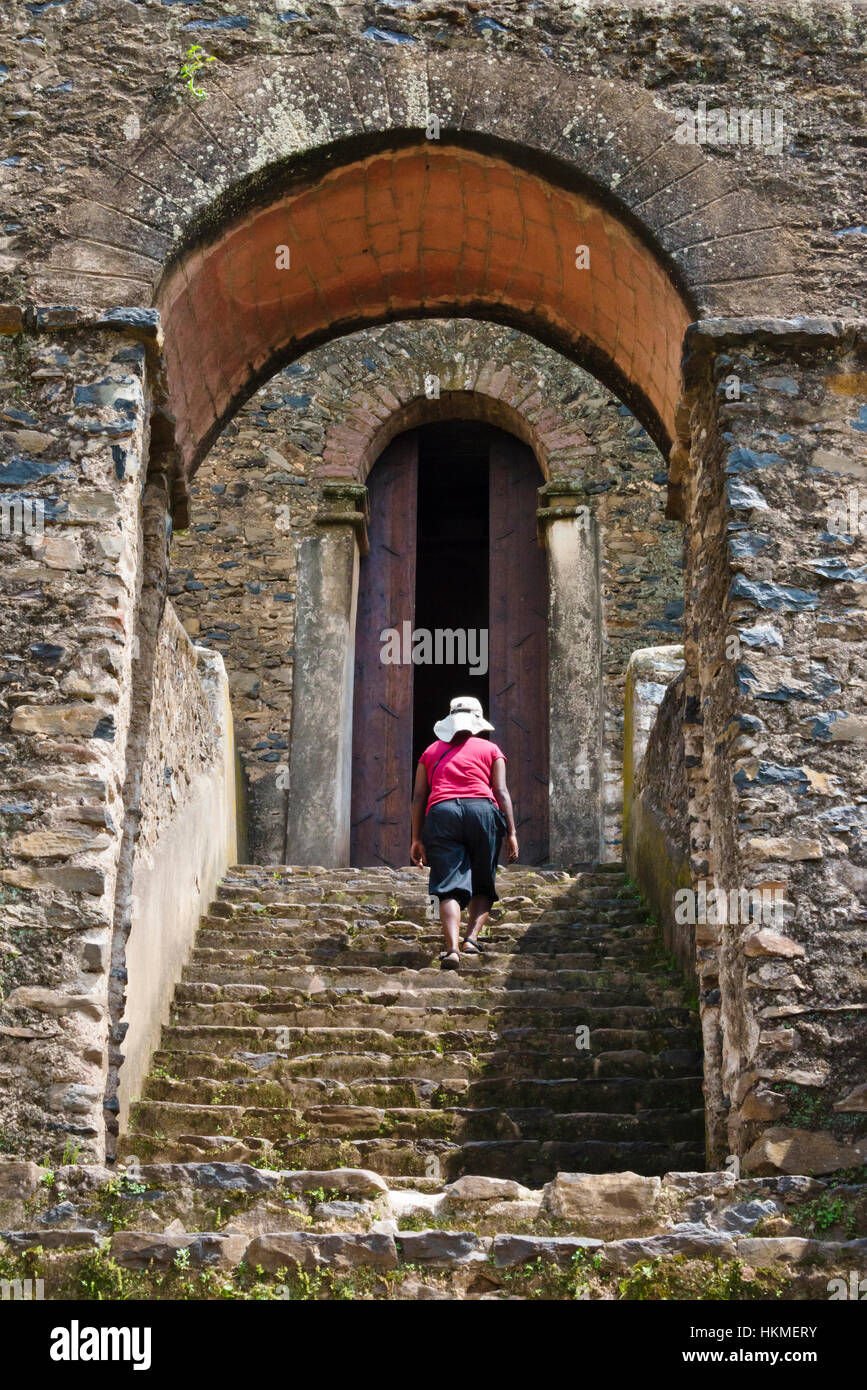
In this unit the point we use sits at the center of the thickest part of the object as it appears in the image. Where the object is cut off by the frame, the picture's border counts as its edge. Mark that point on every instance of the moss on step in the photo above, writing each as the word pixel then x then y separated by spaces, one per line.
pixel 95 1276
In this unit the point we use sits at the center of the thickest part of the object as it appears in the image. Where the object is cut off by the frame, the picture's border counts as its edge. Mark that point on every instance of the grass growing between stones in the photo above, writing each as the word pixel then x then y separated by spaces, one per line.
pixel 94 1276
pixel 836 1214
pixel 713 1281
pixel 813 1109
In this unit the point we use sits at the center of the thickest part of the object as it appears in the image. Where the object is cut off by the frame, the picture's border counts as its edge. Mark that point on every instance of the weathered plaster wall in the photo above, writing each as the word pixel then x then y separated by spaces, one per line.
pixel 655 821
pixel 187 837
pixel 656 827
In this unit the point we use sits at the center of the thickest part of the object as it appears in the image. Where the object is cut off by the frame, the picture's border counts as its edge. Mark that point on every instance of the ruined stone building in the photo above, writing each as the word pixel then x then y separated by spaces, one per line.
pixel 540 329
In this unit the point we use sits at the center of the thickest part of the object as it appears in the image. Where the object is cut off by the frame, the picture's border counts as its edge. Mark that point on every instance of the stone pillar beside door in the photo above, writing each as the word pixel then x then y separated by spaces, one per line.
pixel 568 530
pixel 320 756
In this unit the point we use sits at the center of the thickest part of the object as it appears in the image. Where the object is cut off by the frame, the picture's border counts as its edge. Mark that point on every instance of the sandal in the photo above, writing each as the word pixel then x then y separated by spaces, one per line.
pixel 450 960
pixel 472 948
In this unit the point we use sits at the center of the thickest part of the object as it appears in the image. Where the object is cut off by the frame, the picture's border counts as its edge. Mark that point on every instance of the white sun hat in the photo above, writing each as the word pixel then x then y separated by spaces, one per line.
pixel 465 712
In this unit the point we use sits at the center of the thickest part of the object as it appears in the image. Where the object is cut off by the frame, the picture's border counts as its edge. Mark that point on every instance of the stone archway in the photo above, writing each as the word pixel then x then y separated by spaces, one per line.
pixel 318 806
pixel 192 219
pixel 487 221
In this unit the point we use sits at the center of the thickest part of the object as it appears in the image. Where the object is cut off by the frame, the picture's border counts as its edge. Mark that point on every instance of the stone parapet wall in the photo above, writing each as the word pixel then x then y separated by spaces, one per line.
pixel 655 809
pixel 188 835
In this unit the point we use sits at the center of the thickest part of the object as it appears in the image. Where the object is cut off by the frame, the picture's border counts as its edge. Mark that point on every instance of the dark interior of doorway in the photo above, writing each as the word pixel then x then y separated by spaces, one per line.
pixel 451 561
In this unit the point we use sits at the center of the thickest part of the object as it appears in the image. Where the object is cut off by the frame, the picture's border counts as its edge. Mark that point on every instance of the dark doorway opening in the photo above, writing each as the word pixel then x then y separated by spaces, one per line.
pixel 451 589
pixel 454 552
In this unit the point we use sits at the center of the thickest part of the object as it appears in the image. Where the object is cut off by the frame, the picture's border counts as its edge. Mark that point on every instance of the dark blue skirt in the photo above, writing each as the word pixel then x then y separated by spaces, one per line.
pixel 462 839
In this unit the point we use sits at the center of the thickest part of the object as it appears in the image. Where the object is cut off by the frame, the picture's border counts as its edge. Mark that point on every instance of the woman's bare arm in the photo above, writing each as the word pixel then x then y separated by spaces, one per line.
pixel 504 801
pixel 420 794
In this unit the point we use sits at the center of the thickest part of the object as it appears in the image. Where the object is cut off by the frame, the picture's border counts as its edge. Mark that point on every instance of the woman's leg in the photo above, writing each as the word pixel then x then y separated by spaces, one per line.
pixel 484 835
pixel 477 915
pixel 450 917
pixel 450 877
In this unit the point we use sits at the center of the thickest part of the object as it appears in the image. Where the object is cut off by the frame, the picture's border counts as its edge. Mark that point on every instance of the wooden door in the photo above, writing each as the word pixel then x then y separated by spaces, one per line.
pixel 382 766
pixel 519 639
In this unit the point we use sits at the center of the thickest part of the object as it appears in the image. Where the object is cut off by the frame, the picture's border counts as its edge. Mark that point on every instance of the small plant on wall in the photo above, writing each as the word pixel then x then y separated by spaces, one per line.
pixel 196 59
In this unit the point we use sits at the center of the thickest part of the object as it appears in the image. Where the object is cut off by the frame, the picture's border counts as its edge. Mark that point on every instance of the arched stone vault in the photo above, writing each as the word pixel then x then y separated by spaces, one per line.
pixel 328 156
pixel 424 230
pixel 268 123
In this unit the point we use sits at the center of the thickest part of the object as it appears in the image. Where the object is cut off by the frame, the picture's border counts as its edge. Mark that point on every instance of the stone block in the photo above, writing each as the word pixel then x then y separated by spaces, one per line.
pixel 145 1249
pixel 510 1251
pixel 604 1204
pixel 442 1249
pixel 470 1191
pixel 233 1177
pixel 54 1001
pixel 768 943
pixel 19 1180
pixel 691 1245
pixel 763 1252
pixel 310 1251
pixel 352 1182
pixel 18 1241
pixel 802 1151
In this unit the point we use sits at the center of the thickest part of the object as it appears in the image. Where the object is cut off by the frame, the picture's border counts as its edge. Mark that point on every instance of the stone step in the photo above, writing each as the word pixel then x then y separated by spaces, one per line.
pixel 575 1235
pixel 592 1094
pixel 455 1123
pixel 423 1012
pixel 644 1048
pixel 527 1161
pixel 247 931
pixel 218 933
pixel 312 1024
pixel 424 989
pixel 479 1032
pixel 602 912
pixel 591 972
pixel 476 980
pixel 511 879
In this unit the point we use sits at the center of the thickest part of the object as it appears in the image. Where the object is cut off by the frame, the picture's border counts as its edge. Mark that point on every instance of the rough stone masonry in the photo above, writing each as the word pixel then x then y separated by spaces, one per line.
pixel 724 306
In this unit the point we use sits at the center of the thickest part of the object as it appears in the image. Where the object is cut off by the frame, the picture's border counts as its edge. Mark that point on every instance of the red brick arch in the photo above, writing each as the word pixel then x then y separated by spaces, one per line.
pixel 425 230
pixel 356 440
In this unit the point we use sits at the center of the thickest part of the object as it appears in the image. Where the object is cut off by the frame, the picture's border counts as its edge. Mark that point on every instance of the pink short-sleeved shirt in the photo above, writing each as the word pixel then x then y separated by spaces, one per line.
pixel 464 769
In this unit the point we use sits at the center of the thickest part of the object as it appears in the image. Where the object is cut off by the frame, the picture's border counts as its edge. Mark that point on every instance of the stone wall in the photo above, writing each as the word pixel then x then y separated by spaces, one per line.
pixel 75 404
pixel 775 723
pixel 79 80
pixel 233 574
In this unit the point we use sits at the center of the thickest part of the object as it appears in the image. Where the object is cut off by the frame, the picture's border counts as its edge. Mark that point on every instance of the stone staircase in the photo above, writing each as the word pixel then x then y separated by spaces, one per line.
pixel 330 1116
pixel 313 1029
